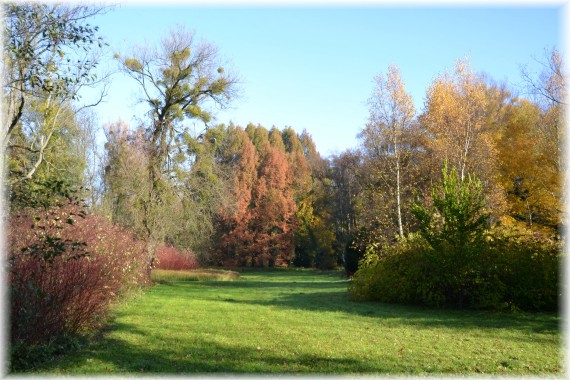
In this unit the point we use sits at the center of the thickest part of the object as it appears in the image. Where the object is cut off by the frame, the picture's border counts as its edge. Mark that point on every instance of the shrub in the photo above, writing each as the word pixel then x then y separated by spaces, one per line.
pixel 529 266
pixel 512 270
pixel 455 261
pixel 168 257
pixel 403 274
pixel 64 273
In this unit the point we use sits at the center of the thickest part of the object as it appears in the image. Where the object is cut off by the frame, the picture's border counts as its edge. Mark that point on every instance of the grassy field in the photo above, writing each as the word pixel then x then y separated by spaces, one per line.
pixel 163 276
pixel 287 321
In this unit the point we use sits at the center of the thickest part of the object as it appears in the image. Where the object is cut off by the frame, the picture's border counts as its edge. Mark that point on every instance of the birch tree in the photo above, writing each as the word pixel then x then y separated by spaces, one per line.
pixel 460 118
pixel 387 134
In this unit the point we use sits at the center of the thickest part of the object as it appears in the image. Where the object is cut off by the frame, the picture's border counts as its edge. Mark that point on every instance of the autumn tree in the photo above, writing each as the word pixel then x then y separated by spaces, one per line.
pixel 458 121
pixel 179 80
pixel 314 237
pixel 548 89
pixel 529 142
pixel 521 167
pixel 273 213
pixel 387 138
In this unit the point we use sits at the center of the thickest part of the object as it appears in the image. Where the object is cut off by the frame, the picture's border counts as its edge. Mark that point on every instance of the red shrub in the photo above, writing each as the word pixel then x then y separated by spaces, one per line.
pixel 168 257
pixel 68 290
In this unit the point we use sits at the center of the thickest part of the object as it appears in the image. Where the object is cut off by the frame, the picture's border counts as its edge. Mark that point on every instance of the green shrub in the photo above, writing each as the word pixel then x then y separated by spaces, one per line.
pixel 529 266
pixel 395 277
pixel 512 270
pixel 454 261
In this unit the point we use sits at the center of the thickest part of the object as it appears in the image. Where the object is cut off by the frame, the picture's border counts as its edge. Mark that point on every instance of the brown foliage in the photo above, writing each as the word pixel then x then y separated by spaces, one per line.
pixel 257 229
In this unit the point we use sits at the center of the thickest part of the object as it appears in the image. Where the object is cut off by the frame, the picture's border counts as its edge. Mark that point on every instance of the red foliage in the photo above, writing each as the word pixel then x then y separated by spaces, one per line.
pixel 233 222
pixel 68 291
pixel 168 257
pixel 273 215
pixel 258 231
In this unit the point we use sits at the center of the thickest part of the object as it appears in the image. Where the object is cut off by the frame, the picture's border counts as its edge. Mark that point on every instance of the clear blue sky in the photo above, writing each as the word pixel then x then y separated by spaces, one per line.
pixel 312 67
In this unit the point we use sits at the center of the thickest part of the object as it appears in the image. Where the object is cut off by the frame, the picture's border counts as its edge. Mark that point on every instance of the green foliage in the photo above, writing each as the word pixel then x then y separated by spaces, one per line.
pixel 40 39
pixel 457 216
pixel 529 266
pixel 25 356
pixel 455 262
pixel 408 274
pixel 512 270
pixel 44 194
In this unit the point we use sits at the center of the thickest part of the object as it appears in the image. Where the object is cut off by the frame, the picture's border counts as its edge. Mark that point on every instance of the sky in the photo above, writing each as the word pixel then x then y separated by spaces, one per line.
pixel 312 67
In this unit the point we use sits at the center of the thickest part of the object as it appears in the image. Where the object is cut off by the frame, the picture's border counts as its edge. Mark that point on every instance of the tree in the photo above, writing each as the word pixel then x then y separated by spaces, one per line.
pixel 519 173
pixel 49 58
pixel 387 134
pixel 460 115
pixel 549 91
pixel 276 140
pixel 203 190
pixel 63 157
pixel 454 226
pixel 457 215
pixel 345 186
pixel 179 79
pixel 125 181
pixel 273 212
pixel 235 239
pixel 314 236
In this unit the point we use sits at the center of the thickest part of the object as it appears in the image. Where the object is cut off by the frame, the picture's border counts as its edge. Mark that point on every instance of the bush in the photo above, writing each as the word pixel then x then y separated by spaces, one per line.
pixel 168 257
pixel 455 261
pixel 512 270
pixel 529 266
pixel 64 273
pixel 404 274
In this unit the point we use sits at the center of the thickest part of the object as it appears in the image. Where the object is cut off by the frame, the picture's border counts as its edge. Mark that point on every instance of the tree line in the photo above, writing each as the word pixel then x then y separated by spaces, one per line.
pixel 256 196
pixel 278 197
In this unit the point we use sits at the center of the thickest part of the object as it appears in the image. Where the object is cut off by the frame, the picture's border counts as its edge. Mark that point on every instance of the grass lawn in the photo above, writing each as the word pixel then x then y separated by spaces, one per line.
pixel 301 321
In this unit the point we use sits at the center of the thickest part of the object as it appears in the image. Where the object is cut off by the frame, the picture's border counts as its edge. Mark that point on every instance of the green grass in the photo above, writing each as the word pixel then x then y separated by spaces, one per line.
pixel 288 321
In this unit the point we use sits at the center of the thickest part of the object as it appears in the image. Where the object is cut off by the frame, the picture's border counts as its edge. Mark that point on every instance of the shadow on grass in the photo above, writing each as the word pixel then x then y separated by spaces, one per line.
pixel 200 356
pixel 332 296
pixel 287 290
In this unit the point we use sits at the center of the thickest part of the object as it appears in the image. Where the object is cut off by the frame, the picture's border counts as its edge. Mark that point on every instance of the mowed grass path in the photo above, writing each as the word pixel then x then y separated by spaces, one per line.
pixel 288 321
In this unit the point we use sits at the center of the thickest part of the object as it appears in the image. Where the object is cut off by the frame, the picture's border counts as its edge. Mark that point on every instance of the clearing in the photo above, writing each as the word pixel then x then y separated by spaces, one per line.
pixel 301 321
